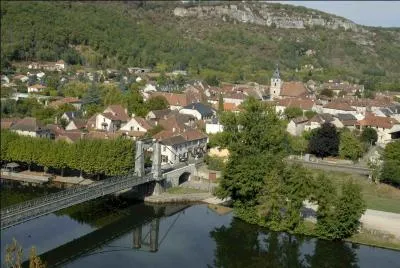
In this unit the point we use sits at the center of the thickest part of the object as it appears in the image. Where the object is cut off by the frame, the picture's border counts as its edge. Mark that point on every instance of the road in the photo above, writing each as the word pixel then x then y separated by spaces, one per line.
pixel 332 167
pixel 372 219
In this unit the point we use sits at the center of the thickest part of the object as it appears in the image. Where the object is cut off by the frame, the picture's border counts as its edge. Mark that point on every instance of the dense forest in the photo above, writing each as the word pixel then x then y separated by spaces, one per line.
pixel 147 34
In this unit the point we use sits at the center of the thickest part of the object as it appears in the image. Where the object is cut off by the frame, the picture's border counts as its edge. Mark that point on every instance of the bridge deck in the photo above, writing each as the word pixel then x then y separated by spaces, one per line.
pixel 29 210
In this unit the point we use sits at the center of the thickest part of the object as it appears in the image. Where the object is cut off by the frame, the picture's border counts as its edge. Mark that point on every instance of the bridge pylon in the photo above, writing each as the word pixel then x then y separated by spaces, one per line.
pixel 139 158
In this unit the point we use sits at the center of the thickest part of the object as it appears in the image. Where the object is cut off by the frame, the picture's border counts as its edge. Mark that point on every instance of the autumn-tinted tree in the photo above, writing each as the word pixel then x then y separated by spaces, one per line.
pixel 325 141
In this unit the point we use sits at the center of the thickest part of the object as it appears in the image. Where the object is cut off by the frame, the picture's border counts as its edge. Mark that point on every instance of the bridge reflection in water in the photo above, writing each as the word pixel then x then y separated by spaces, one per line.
pixel 136 223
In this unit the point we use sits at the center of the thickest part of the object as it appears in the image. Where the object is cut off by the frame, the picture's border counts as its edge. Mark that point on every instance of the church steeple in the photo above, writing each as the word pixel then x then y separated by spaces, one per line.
pixel 276 84
pixel 276 74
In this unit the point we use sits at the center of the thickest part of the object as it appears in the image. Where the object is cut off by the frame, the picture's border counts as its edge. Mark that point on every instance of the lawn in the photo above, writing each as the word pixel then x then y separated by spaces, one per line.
pixel 377 196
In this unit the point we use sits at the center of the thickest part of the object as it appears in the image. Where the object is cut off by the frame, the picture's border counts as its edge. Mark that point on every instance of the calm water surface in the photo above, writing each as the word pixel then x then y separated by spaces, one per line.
pixel 105 233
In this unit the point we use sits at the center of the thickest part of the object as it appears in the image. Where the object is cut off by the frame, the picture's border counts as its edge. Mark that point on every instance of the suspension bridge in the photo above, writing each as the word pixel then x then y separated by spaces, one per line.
pixel 160 179
pixel 90 243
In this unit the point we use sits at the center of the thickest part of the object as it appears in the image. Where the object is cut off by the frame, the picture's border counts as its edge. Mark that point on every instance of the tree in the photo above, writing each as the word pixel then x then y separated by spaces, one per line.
pixel 310 114
pixel 327 92
pixel 292 112
pixel 157 103
pixel 220 103
pixel 14 255
pixel 325 141
pixel 92 95
pixel 391 163
pixel 369 136
pixel 338 216
pixel 255 138
pixel 350 147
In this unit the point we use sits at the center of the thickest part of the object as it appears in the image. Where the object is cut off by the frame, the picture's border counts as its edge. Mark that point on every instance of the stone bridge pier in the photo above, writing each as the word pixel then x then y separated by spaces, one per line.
pixel 162 180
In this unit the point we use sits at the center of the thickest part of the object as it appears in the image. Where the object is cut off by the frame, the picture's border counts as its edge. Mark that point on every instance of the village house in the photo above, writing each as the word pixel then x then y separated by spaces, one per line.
pixel 319 119
pixel 198 110
pixel 68 116
pixel 387 128
pixel 49 66
pixel 348 120
pixel 176 101
pixel 303 104
pixel 112 118
pixel 21 78
pixel 76 124
pixel 138 124
pixel 296 126
pixel 77 103
pixel 214 126
pixel 181 146
pixel 156 115
pixel 30 126
pixel 338 107
pixel 36 88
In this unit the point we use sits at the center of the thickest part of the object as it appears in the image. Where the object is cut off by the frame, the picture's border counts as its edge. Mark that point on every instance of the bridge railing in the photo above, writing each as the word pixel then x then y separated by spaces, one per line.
pixel 68 198
pixel 58 195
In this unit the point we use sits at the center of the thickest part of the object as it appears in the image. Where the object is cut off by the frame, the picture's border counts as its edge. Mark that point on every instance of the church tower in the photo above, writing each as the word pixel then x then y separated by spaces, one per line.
pixel 276 84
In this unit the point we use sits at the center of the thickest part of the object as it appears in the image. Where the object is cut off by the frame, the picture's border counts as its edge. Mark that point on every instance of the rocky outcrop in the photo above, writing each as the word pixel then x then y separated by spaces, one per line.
pixel 265 14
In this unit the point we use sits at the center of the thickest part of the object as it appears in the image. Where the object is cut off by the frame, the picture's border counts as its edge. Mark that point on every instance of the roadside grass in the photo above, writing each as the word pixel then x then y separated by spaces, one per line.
pixel 380 196
pixel 182 190
pixel 375 238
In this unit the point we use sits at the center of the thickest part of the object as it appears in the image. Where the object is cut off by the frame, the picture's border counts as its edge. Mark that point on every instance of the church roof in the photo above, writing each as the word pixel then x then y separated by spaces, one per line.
pixel 276 73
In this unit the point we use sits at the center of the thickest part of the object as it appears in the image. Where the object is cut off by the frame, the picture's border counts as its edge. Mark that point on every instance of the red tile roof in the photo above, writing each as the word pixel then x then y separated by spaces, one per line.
pixel 305 104
pixel 293 89
pixel 378 121
pixel 343 106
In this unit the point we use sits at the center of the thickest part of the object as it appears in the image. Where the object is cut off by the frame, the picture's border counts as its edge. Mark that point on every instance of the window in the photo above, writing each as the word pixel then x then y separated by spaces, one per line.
pixel 164 148
pixel 131 128
pixel 275 84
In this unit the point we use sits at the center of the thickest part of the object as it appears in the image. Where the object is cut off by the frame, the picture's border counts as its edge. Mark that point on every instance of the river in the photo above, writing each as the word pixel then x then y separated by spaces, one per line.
pixel 115 233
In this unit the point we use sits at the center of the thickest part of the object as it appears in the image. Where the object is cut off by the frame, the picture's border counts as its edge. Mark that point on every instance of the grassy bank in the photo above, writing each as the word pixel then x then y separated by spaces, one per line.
pixel 375 238
pixel 381 196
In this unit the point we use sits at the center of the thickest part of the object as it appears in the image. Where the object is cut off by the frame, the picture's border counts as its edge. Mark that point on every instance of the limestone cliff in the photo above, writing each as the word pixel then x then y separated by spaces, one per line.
pixel 280 16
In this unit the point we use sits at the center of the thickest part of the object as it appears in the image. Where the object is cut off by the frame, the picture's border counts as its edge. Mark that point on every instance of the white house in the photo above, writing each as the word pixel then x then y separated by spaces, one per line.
pixel 36 88
pixel 60 65
pixel 213 126
pixel 112 118
pixel 137 124
pixel 198 110
pixel 30 126
pixel 387 128
pixel 335 108
pixel 296 126
pixel 179 147
pixel 319 119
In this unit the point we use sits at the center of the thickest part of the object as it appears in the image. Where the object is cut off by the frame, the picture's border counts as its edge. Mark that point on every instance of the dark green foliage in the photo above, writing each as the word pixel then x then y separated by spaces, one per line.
pixel 258 143
pixel 326 92
pixel 107 157
pixel 157 103
pixel 292 112
pixel 325 141
pixel 338 215
pixel 124 34
pixel 391 165
pixel 310 114
pixel 214 163
pixel 369 136
pixel 350 147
